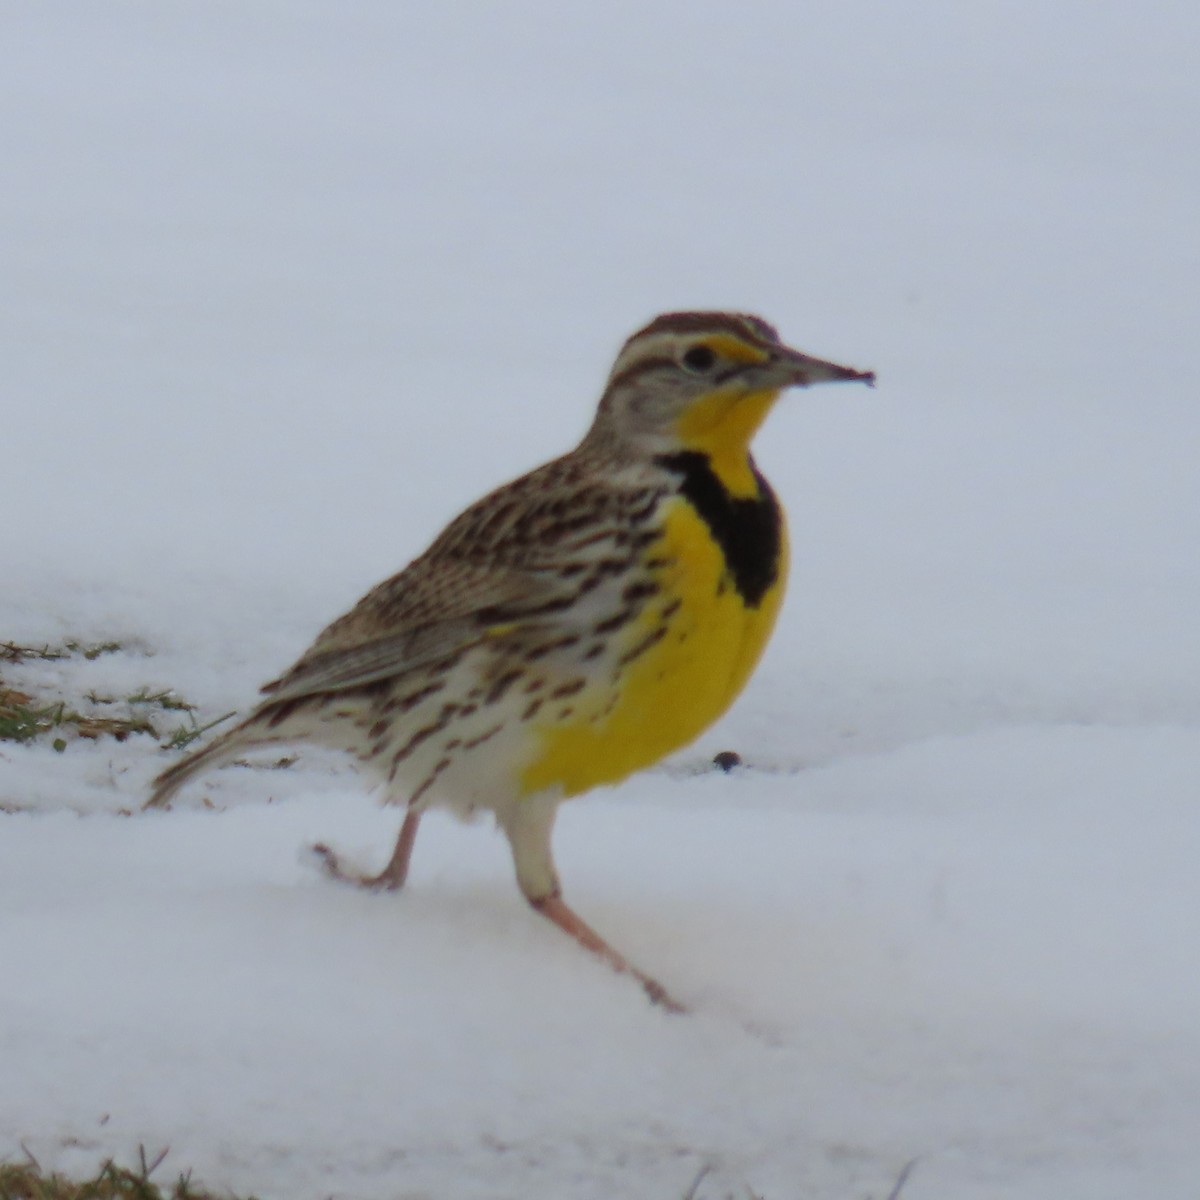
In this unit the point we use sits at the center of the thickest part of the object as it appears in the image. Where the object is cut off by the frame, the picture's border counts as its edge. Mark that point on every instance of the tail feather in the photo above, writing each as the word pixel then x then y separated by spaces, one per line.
pixel 225 748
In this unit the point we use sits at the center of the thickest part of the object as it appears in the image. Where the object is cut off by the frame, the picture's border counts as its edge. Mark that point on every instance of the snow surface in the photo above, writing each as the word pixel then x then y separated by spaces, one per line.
pixel 285 286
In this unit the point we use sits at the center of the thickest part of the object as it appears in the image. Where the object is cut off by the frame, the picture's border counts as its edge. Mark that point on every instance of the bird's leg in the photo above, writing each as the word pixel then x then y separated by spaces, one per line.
pixel 392 877
pixel 557 910
pixel 529 826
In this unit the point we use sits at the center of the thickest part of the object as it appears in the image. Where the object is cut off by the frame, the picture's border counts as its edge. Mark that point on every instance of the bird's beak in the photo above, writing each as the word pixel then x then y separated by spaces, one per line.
pixel 799 370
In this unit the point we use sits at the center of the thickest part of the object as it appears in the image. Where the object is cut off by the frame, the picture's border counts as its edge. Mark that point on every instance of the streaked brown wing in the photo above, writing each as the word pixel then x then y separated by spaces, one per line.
pixel 393 629
pixel 502 566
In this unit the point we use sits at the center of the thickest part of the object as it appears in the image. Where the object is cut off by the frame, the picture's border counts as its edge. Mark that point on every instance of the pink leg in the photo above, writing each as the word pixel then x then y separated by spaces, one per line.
pixel 392 877
pixel 556 909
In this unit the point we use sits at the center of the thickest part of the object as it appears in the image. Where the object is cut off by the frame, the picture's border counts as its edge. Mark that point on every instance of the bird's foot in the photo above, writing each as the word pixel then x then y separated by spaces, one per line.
pixel 392 877
pixel 657 993
pixel 388 880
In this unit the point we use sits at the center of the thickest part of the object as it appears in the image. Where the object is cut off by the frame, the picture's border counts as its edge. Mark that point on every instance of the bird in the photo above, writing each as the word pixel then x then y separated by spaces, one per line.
pixel 570 628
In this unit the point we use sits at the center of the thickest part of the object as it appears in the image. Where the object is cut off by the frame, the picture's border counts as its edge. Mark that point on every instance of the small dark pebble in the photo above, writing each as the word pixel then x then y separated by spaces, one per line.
pixel 727 760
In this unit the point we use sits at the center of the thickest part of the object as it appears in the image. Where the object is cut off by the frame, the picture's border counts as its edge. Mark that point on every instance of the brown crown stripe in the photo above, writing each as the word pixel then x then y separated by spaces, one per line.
pixel 742 325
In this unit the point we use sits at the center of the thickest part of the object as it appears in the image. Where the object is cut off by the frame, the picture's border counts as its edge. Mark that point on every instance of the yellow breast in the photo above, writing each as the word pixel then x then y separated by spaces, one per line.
pixel 633 714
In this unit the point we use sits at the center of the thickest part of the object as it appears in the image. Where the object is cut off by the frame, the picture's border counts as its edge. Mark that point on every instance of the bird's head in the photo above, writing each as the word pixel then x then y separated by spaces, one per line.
pixel 703 380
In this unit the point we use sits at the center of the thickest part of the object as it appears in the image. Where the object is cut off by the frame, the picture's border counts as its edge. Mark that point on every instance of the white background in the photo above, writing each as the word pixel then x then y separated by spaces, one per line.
pixel 284 286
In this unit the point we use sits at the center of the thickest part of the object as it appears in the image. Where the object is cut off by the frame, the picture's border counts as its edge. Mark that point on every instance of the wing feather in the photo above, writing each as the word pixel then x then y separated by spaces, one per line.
pixel 494 571
pixel 378 640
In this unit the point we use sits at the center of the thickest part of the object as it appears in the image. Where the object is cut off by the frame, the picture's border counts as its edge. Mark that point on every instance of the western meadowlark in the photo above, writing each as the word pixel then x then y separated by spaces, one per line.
pixel 572 627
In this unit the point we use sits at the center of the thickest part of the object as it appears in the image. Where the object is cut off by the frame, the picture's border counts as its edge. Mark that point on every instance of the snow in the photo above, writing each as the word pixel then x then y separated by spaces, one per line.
pixel 287 285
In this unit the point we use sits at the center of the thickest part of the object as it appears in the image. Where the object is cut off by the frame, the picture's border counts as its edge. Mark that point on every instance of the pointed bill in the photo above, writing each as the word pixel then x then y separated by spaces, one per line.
pixel 801 370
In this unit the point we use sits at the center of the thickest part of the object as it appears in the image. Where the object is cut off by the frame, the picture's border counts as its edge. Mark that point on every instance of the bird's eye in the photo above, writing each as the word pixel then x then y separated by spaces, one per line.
pixel 698 359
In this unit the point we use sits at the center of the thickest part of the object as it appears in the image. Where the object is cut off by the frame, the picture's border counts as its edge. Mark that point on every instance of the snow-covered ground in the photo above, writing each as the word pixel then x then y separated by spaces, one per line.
pixel 285 286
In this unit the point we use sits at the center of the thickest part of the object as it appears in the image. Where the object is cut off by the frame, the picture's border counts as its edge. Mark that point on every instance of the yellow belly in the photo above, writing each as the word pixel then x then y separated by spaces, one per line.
pixel 672 692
